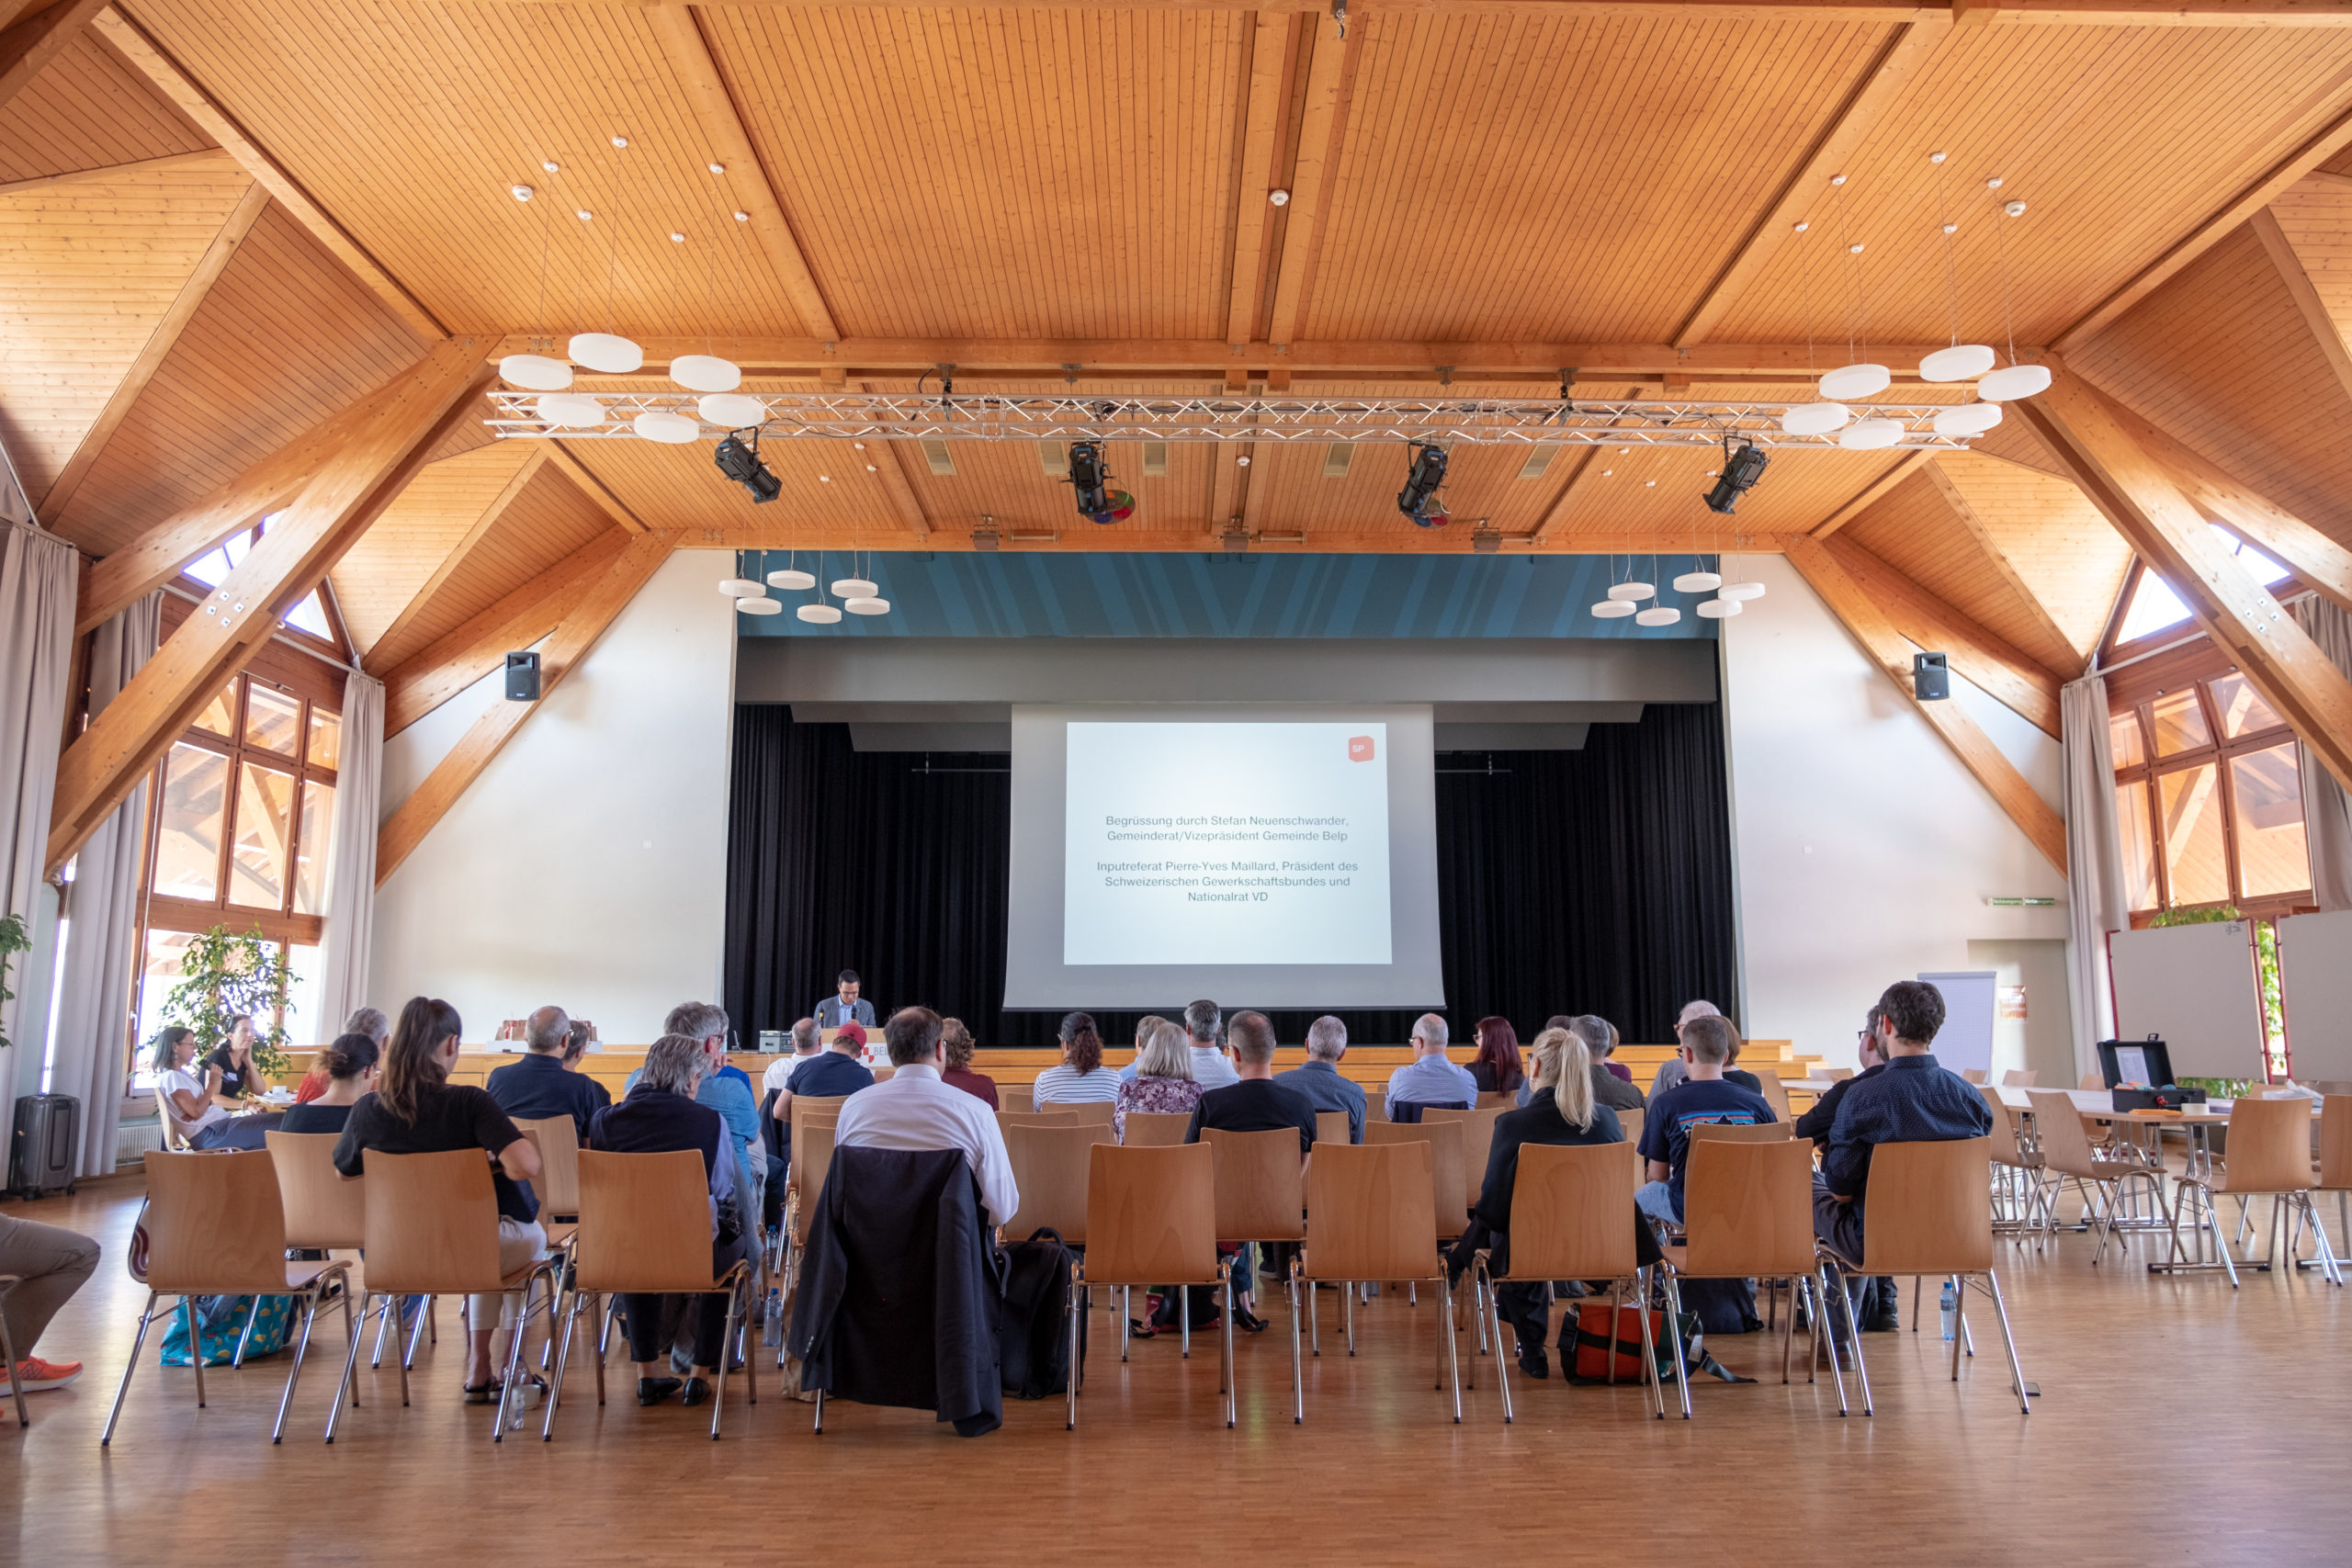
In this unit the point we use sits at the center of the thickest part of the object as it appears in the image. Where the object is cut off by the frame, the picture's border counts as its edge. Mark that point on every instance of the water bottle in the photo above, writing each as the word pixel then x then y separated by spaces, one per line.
pixel 1948 1303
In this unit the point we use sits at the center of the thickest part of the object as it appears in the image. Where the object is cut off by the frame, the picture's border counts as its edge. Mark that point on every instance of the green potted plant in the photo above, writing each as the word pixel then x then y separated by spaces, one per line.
pixel 12 941
pixel 224 977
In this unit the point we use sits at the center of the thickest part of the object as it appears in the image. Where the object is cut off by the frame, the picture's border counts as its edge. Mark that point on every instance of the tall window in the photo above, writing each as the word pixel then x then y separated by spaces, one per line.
pixel 2209 792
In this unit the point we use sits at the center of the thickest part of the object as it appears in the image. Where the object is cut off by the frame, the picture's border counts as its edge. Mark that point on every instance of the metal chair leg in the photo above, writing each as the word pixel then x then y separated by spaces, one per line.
pixel 819 1428
pixel 1789 1334
pixel 1126 1316
pixel 145 1316
pixel 1674 1332
pixel 194 1345
pixel 1854 1342
pixel 301 1349
pixel 562 1364
pixel 1649 1347
pixel 1184 1316
pixel 245 1336
pixel 1451 1341
pixel 1232 1394
pixel 2016 1371
pixel 1297 1375
pixel 350 1368
pixel 1071 1309
pixel 1822 1331
pixel 726 1355
pixel 1484 1288
pixel 1347 1316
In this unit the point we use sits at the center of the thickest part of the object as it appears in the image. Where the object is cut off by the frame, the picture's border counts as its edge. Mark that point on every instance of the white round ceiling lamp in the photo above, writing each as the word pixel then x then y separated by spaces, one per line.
pixel 1961 362
pixel 1658 616
pixel 670 429
pixel 818 615
pixel 572 410
pixel 733 411
pixel 1870 434
pixel 535 372
pixel 760 606
pixel 1816 419
pixel 2011 382
pixel 1968 419
pixel 867 605
pixel 854 588
pixel 791 579
pixel 1612 609
pixel 1697 582
pixel 606 352
pixel 1849 382
pixel 1716 609
pixel 705 373
pixel 741 587
pixel 1735 591
pixel 1632 593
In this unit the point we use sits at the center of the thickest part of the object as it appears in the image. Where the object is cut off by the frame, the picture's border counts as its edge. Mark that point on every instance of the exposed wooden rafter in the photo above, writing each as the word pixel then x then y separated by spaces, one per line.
pixel 2011 677
pixel 356 480
pixel 1902 469
pixel 210 161
pixel 467 544
pixel 1996 556
pixel 2292 272
pixel 148 58
pixel 1891 651
pixel 30 39
pixel 2136 492
pixel 1587 461
pixel 888 462
pixel 561 454
pixel 2082 13
pixel 596 610
pixel 1399 541
pixel 1314 182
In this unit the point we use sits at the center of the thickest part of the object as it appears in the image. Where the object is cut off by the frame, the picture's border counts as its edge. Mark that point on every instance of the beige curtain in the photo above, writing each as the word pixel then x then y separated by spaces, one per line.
pixel 38 574
pixel 2096 903
pixel 2327 819
pixel 351 858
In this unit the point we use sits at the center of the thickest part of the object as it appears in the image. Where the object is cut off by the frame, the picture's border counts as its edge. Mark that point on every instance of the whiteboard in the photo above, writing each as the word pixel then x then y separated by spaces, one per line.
pixel 2192 988
pixel 2316 983
pixel 1966 1042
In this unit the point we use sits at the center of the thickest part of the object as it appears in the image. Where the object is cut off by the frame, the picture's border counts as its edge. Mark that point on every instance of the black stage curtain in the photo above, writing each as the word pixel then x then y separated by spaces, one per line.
pixel 1592 881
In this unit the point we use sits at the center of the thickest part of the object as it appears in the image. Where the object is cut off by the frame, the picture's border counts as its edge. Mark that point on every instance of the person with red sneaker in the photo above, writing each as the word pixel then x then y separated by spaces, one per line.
pixel 49 1264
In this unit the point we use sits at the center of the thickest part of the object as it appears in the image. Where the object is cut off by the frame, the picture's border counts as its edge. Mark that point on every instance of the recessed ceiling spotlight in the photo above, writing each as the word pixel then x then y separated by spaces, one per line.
pixel 677 239
pixel 718 168
pixel 520 193
pixel 1993 184
pixel 824 479
pixel 620 141
pixel 857 445
pixel 1279 198
pixel 584 215
pixel 549 166
pixel 1935 157
pixel 743 217
pixel 1242 462
pixel 1801 228
pixel 1606 472
pixel 1837 179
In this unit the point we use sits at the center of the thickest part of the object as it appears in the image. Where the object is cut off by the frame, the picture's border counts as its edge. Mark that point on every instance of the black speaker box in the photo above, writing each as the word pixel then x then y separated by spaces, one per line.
pixel 1930 677
pixel 523 677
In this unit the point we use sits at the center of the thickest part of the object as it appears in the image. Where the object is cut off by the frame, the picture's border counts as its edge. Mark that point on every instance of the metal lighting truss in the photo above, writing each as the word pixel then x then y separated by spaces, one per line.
pixel 884 416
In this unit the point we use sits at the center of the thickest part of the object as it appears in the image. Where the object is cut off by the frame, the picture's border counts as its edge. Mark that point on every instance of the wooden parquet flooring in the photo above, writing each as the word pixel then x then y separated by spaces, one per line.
pixel 2179 1422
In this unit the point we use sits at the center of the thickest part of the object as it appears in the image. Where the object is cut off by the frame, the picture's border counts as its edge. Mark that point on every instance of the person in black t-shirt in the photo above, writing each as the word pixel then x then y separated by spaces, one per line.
pixel 1702 1096
pixel 1255 1104
pixel 416 1109
pixel 230 1075
pixel 351 1067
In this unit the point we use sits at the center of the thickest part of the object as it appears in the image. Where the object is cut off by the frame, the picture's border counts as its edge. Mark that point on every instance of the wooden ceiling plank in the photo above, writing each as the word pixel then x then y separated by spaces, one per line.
pixel 598 606
pixel 32 42
pixel 2316 313
pixel 2015 679
pixel 2137 493
pixel 190 98
pixel 2081 12
pixel 1891 651
pixel 468 542
pixel 1996 558
pixel 1401 539
pixel 438 671
pixel 1270 49
pixel 356 480
pixel 210 160
pixel 159 345
pixel 1898 60
pixel 1557 512
pixel 1314 179
pixel 1902 469
pixel 560 454
pixel 889 466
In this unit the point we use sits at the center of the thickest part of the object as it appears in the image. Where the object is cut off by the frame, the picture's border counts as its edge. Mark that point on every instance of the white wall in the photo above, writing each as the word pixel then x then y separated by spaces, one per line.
pixel 587 865
pixel 1864 849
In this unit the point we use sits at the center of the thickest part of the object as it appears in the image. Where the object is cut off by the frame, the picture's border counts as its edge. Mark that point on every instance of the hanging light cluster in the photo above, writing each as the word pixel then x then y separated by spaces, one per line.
pixel 858 595
pixel 1625 599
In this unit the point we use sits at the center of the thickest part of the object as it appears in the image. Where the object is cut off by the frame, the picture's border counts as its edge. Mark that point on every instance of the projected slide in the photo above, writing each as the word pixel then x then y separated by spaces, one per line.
pixel 1198 843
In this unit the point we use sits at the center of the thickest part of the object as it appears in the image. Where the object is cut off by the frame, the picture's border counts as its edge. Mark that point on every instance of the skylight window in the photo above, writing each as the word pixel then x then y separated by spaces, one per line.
pixel 213 568
pixel 2156 606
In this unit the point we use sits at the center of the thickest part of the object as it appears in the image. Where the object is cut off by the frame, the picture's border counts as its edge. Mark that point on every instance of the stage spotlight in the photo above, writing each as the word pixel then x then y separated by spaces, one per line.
pixel 1419 500
pixel 1743 466
pixel 1087 475
pixel 742 464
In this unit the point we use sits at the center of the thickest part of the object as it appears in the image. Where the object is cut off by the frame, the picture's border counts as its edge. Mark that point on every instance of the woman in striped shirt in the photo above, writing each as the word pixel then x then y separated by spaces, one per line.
pixel 1081 1077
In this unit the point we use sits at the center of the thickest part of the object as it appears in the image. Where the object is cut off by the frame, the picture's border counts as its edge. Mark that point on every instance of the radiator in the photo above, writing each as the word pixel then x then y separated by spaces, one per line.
pixel 133 1141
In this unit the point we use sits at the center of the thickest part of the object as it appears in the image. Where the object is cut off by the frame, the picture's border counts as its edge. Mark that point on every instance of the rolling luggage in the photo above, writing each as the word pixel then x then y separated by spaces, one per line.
pixel 40 1155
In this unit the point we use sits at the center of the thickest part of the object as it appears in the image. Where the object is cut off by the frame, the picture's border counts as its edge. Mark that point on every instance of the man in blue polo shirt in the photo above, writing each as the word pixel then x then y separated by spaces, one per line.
pixel 1429 1078
pixel 1319 1079
pixel 1702 1096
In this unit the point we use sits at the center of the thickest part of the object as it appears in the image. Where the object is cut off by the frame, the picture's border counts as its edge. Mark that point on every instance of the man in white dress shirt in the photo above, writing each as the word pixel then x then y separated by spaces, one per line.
pixel 916 1108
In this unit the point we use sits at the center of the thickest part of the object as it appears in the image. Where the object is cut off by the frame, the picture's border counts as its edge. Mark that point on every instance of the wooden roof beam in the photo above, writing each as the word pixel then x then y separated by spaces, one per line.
pixel 2011 677
pixel 34 38
pixel 1900 469
pixel 2298 279
pixel 208 161
pixel 1891 651
pixel 2088 13
pixel 1996 556
pixel 598 606
pixel 356 480
pixel 1167 539
pixel 467 544
pixel 2136 492
pixel 150 60
pixel 600 495
pixel 1315 182
pixel 1273 50
pixel 890 467
pixel 1900 55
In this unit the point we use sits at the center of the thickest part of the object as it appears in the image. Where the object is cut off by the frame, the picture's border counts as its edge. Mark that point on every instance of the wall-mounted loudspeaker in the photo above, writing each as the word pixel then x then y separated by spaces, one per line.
pixel 1930 677
pixel 523 677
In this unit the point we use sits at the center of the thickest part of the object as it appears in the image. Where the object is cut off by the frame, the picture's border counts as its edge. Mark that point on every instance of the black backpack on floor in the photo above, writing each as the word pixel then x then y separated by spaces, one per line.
pixel 1033 1326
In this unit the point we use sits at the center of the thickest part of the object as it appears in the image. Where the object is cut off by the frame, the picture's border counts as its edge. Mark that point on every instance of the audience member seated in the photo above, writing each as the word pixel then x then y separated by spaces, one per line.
pixel 416 1111
pixel 1319 1079
pixel 658 1116
pixel 575 1050
pixel 1079 1078
pixel 537 1087
pixel 1911 1099
pixel 1253 1102
pixel 917 1109
pixel 1881 1302
pixel 1602 1057
pixel 1496 1069
pixel 707 1021
pixel 1611 1085
pixel 50 1263
pixel 1163 1082
pixel 807 1041
pixel 1701 1097
pixel 1429 1079
pixel 203 1120
pixel 230 1075
pixel 1563 1112
pixel 1143 1032
pixel 370 1021
pixel 956 1043
pixel 351 1064
pixel 1211 1068
pixel 827 1075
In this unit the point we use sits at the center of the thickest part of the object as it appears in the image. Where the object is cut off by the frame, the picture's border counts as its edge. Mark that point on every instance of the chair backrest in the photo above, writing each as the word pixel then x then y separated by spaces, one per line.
pixel 1260 1190
pixel 1449 1198
pixel 1006 1121
pixel 802 1104
pixel 2021 1078
pixel 1371 1210
pixel 1733 1132
pixel 1930 1208
pixel 2058 1133
pixel 1051 1168
pixel 1375 1105
pixel 175 1130
pixel 1833 1074
pixel 1632 1121
pixel 432 1224
pixel 2270 1148
pixel 1775 1093
pixel 644 1220
pixel 813 1155
pixel 558 1183
pixel 1497 1099
pixel 2004 1129
pixel 1155 1129
pixel 2093 1080
pixel 1150 1216
pixel 1747 1207
pixel 1332 1127
pixel 215 1226
pixel 1093 1113
pixel 1568 1212
pixel 1477 1140
pixel 2335 1143
pixel 322 1208
pixel 1974 1075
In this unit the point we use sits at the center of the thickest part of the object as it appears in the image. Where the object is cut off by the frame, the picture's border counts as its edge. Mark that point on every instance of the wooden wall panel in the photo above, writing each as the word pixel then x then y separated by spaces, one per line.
pixel 2221 358
pixel 2316 217
pixel 88 110
pixel 1914 530
pixel 402 548
pixel 2014 440
pixel 87 271
pixel 2068 556
pixel 284 338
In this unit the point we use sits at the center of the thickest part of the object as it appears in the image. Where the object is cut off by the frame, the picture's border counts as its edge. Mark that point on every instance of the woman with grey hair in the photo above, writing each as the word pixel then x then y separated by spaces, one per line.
pixel 1163 1084
pixel 659 1116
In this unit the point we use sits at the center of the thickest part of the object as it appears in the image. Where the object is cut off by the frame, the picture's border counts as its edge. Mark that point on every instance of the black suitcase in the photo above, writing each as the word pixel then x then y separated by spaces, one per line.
pixel 40 1155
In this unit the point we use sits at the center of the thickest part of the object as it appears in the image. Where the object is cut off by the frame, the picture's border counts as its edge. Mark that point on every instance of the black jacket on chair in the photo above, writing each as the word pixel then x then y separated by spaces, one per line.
pixel 902 1286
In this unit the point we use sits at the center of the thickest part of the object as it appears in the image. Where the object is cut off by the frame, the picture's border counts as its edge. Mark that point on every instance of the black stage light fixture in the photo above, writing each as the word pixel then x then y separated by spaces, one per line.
pixel 742 464
pixel 1086 473
pixel 1419 500
pixel 1743 466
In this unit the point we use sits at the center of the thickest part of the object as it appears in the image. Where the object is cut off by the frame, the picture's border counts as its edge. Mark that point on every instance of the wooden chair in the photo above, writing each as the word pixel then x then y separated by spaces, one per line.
pixel 1150 1220
pixel 325 1212
pixel 2333 1173
pixel 805 1105
pixel 1006 1121
pixel 1497 1099
pixel 2269 1152
pixel 1371 1212
pixel 432 1231
pixel 1333 1127
pixel 645 1228
pixel 1449 1196
pixel 175 1130
pixel 558 1183
pixel 1732 1132
pixel 1746 1211
pixel 1568 1221
pixel 2017 1170
pixel 2093 1081
pixel 1632 1121
pixel 1478 1141
pixel 216 1227
pixel 1093 1113
pixel 1833 1074
pixel 2020 1077
pixel 1930 1213
pixel 1262 1191
pixel 802 1194
pixel 8 1347
pixel 2066 1154
pixel 1974 1075
pixel 1051 1166
pixel 1776 1094
pixel 1375 1105
pixel 1155 1129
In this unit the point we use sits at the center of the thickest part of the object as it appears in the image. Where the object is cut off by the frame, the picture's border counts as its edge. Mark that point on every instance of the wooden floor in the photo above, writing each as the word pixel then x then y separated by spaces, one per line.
pixel 2179 1422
